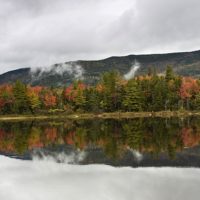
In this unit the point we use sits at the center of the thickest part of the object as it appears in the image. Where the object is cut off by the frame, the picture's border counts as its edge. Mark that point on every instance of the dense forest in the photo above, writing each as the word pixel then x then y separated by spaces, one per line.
pixel 151 92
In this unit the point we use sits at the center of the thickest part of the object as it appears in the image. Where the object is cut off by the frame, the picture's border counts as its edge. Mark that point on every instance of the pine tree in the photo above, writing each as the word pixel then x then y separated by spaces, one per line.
pixel 21 99
pixel 92 100
pixel 169 73
pixel 159 91
pixel 80 99
pixel 132 97
pixel 172 94
pixel 110 83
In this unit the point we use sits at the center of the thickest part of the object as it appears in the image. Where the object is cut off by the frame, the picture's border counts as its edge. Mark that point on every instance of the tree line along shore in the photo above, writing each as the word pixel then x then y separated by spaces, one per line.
pixel 147 95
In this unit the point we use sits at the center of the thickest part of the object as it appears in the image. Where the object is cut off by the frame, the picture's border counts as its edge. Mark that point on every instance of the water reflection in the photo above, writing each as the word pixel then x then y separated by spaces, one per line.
pixel 135 142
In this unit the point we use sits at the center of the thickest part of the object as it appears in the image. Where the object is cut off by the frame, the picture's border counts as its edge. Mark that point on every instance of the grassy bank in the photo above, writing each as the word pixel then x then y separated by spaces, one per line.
pixel 114 115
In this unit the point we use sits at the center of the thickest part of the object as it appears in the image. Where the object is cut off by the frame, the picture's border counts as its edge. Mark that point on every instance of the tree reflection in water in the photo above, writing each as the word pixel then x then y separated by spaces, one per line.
pixel 152 136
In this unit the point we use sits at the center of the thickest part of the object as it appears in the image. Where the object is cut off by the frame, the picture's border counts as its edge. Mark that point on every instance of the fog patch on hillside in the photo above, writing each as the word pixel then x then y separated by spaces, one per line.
pixel 131 73
pixel 72 69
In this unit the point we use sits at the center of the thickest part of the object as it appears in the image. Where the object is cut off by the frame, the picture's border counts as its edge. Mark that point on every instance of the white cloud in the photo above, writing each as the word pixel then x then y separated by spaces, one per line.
pixel 35 180
pixel 44 32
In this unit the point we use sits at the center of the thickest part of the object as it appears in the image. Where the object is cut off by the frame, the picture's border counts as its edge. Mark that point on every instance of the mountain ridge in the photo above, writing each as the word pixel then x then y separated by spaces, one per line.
pixel 183 63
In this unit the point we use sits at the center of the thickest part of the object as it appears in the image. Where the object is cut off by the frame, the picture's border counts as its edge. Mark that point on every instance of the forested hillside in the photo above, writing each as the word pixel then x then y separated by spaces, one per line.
pixel 186 64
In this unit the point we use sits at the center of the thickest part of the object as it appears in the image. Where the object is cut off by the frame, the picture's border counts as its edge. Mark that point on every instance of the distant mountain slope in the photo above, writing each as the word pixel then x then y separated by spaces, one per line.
pixel 186 63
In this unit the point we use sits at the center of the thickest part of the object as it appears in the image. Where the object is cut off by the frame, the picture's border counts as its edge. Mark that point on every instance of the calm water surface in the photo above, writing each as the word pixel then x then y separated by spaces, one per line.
pixel 127 142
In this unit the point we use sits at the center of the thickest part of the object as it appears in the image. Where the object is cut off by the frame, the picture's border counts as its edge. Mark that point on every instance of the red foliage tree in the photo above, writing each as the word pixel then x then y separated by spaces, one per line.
pixel 6 96
pixel 49 100
pixel 189 87
pixel 36 89
pixel 72 91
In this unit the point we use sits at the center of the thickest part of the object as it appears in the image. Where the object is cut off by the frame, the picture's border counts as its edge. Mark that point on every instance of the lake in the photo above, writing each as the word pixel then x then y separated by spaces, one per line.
pixel 126 142
pixel 151 158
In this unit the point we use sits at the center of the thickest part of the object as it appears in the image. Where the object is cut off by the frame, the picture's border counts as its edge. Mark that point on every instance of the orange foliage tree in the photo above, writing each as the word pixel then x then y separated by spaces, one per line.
pixel 189 87
pixel 48 98
pixel 6 98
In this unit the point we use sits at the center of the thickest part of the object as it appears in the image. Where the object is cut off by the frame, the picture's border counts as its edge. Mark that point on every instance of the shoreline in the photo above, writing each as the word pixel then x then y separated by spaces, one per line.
pixel 112 115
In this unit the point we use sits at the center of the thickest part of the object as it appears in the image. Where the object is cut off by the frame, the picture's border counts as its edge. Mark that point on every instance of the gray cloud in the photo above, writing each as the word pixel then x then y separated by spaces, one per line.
pixel 43 32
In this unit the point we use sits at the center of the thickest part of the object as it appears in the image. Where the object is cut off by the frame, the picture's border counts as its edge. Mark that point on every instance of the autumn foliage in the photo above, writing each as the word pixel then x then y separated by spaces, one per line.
pixel 189 87
pixel 112 93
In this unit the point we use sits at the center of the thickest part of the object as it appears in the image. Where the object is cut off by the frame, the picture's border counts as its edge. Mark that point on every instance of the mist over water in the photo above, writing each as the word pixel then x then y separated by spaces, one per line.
pixel 47 179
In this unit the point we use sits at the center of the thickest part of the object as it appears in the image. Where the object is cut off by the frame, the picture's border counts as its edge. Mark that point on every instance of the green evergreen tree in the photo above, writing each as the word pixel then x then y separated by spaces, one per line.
pixel 172 93
pixel 132 100
pixel 21 99
pixel 159 91
pixel 80 99
pixel 169 73
pixel 92 100
pixel 110 82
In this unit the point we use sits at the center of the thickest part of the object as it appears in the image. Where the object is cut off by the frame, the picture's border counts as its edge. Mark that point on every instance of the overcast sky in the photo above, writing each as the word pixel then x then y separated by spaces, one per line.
pixel 43 32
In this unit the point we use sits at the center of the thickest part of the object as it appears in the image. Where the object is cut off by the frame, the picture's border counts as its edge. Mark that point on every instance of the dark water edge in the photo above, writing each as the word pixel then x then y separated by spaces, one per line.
pixel 189 157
